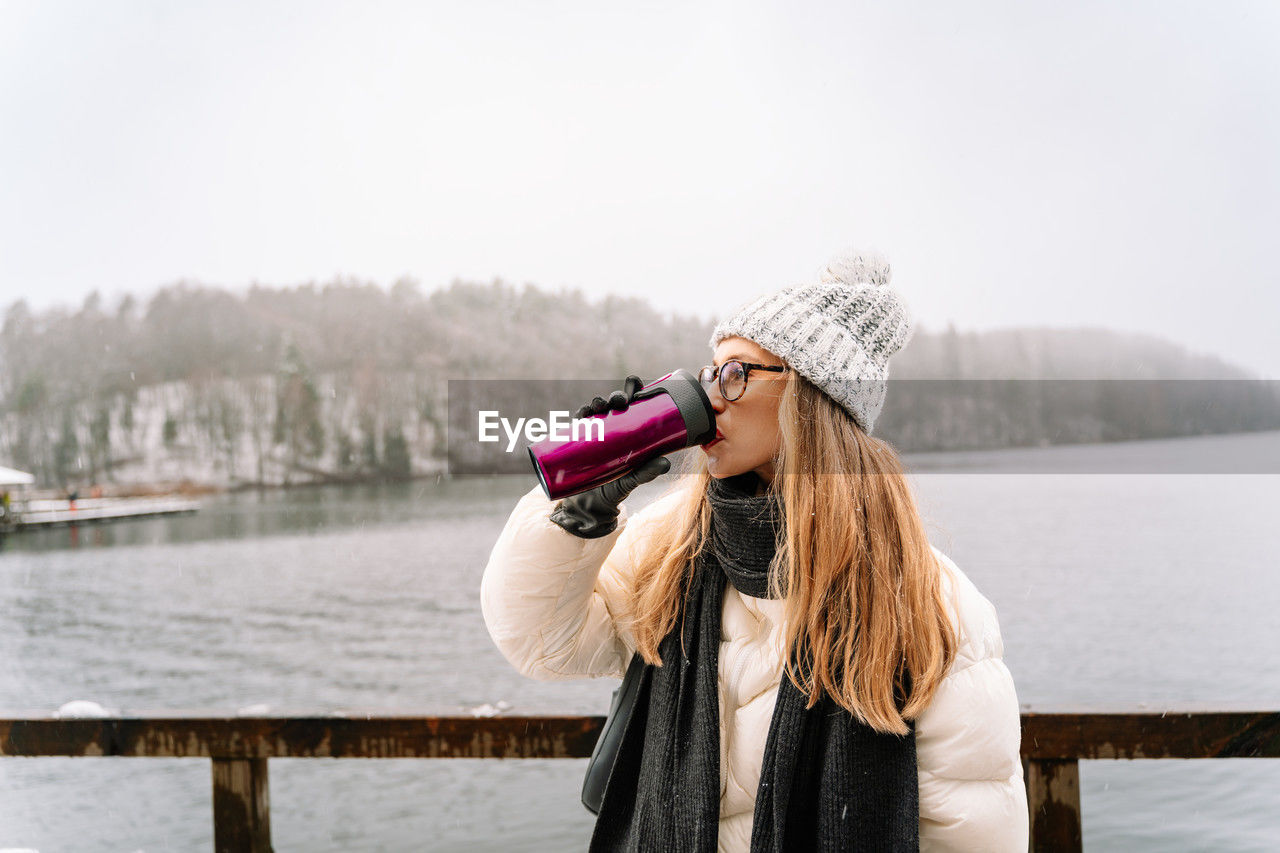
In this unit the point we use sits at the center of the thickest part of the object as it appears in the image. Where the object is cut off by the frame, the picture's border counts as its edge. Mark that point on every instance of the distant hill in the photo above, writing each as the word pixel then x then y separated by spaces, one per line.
pixel 1038 352
pixel 1041 386
pixel 347 380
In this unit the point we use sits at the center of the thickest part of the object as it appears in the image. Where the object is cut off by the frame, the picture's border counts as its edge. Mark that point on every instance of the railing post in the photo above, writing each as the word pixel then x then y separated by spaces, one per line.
pixel 241 806
pixel 1053 798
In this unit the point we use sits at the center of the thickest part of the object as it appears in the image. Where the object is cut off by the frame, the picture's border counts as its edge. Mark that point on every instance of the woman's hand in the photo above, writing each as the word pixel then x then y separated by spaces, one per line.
pixel 593 514
pixel 618 401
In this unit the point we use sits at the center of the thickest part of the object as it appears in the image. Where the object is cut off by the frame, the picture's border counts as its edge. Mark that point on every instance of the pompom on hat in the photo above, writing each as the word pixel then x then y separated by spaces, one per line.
pixel 838 331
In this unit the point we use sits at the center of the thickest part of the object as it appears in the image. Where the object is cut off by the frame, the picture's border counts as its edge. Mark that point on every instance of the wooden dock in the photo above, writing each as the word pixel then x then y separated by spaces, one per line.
pixel 55 513
pixel 238 749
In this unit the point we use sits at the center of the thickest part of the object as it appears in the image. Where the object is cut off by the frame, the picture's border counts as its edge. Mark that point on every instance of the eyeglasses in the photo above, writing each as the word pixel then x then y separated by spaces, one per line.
pixel 733 376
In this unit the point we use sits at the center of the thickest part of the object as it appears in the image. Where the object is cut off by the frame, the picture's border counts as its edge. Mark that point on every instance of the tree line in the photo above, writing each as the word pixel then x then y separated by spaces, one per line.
pixel 348 380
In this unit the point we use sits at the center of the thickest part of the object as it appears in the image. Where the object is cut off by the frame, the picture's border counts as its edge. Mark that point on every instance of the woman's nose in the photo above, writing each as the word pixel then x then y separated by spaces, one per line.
pixel 718 404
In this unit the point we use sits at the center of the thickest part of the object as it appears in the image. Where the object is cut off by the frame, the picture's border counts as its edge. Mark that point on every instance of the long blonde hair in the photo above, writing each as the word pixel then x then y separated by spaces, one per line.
pixel 864 609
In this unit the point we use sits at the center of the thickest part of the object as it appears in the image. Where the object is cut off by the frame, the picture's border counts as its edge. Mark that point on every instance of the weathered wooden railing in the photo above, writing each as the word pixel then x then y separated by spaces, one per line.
pixel 1052 746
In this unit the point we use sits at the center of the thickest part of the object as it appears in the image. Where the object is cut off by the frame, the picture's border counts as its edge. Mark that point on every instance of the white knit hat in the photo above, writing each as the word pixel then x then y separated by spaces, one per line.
pixel 837 332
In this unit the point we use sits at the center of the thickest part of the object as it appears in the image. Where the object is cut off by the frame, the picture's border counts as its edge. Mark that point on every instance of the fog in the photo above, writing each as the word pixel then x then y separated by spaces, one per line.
pixel 1021 164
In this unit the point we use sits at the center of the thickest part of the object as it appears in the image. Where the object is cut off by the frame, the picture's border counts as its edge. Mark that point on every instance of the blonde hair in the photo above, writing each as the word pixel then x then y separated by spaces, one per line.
pixel 864 609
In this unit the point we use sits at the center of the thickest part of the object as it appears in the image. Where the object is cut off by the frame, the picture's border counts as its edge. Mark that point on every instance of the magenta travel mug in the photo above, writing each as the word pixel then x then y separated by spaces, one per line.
pixel 667 415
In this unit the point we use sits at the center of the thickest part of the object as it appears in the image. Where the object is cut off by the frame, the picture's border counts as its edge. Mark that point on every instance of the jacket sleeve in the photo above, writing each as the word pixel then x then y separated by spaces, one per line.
pixel 552 601
pixel 967 740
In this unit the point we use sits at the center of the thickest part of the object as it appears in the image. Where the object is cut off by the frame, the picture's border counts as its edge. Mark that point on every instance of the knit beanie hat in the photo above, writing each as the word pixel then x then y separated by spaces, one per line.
pixel 838 332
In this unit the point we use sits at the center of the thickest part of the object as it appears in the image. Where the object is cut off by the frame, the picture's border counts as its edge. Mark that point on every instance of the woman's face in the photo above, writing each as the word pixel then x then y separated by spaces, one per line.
pixel 747 434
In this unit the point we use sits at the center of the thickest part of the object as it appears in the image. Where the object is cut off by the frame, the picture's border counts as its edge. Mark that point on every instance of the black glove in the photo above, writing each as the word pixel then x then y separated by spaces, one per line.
pixel 594 513
pixel 618 401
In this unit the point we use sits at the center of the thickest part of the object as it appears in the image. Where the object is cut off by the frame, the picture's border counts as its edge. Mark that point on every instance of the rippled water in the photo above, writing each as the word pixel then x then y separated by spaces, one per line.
pixel 1114 591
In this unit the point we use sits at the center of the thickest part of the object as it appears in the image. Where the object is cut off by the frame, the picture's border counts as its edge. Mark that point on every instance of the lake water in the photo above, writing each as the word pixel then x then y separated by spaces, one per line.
pixel 1115 591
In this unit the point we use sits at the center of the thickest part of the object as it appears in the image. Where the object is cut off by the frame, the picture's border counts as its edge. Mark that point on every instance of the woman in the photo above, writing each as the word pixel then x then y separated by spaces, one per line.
pixel 815 675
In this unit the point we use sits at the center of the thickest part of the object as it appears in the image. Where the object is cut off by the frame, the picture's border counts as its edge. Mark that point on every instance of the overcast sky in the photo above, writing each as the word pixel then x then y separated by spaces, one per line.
pixel 1020 163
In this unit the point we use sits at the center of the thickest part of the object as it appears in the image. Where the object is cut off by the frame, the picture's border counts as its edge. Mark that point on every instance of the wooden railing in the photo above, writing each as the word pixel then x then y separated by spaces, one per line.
pixel 239 747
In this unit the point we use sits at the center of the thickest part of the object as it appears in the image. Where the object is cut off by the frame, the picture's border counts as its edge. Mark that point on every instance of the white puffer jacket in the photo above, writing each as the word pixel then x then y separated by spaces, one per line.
pixel 551 602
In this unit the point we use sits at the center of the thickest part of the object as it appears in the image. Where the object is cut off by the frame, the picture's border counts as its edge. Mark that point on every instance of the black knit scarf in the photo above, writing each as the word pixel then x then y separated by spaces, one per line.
pixel 828 782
